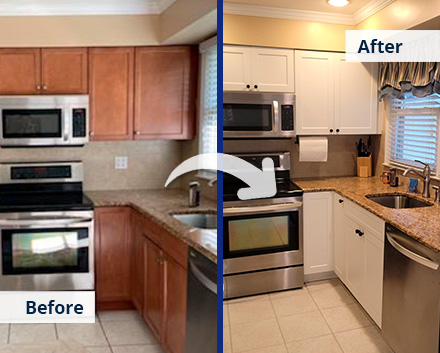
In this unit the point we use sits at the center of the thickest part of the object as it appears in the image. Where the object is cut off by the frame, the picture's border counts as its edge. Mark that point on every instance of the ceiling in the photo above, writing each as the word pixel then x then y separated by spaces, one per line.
pixel 307 10
pixel 308 5
pixel 82 7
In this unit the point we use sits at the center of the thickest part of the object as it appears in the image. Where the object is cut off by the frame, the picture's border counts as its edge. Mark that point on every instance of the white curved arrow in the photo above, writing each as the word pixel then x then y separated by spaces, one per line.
pixel 261 182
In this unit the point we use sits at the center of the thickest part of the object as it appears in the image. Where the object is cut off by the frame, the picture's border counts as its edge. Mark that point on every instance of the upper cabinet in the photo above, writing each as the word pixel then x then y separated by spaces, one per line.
pixel 64 71
pixel 20 71
pixel 43 71
pixel 334 96
pixel 111 93
pixel 258 69
pixel 165 92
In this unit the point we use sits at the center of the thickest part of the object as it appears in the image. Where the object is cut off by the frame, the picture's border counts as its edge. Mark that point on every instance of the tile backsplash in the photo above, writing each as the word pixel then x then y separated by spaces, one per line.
pixel 341 155
pixel 149 162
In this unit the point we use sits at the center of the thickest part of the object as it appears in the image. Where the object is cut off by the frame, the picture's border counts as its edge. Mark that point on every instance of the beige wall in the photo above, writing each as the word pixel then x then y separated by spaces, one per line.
pixel 65 31
pixel 402 14
pixel 149 162
pixel 273 32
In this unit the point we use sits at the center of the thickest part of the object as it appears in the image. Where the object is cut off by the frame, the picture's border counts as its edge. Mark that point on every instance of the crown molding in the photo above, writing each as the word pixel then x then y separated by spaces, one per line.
pixel 303 15
pixel 83 7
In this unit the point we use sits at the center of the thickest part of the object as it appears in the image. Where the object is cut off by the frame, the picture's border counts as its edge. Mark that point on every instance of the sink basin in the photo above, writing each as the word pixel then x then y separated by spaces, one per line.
pixel 198 220
pixel 398 201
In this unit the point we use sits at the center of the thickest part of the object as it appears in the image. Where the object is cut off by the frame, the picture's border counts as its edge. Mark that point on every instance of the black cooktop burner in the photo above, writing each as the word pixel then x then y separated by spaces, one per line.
pixel 285 188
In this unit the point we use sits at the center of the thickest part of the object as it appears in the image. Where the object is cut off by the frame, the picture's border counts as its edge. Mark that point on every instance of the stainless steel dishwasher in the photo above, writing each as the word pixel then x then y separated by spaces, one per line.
pixel 411 295
pixel 201 322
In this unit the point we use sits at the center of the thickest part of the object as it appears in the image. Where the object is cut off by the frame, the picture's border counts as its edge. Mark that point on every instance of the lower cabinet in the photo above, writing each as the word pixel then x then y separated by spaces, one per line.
pixel 154 265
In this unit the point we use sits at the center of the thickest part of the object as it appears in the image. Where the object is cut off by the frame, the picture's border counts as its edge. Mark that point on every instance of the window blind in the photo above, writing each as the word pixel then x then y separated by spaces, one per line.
pixel 413 130
pixel 208 116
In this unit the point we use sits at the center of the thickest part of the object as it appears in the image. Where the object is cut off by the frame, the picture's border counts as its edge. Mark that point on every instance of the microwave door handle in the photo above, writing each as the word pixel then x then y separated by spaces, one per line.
pixel 241 211
pixel 275 117
pixel 65 125
pixel 35 222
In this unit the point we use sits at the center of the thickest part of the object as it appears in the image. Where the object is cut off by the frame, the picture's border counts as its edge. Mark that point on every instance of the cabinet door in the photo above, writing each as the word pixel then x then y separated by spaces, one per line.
pixel 236 68
pixel 137 261
pixel 111 93
pixel 112 252
pixel 64 71
pixel 20 71
pixel 355 257
pixel 356 100
pixel 272 70
pixel 318 232
pixel 165 93
pixel 175 306
pixel 373 292
pixel 339 237
pixel 154 288
pixel 314 87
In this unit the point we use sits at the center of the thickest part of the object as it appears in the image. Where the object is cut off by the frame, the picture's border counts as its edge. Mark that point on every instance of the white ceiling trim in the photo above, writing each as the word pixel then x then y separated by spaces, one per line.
pixel 303 15
pixel 83 7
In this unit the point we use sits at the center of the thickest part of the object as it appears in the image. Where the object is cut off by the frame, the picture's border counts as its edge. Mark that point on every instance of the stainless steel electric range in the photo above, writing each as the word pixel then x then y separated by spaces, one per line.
pixel 263 238
pixel 46 228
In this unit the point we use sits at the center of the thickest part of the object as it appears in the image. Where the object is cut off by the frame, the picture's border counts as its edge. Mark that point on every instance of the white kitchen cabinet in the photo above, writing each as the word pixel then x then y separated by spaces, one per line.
pixel 314 85
pixel 334 96
pixel 356 101
pixel 258 69
pixel 318 232
pixel 339 236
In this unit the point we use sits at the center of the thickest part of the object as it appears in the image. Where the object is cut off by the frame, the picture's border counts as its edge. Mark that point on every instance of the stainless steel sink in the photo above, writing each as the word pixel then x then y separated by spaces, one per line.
pixel 198 220
pixel 398 201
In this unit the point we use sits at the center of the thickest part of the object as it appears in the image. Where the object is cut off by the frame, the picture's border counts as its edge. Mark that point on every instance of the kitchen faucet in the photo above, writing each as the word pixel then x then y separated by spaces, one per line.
pixel 212 181
pixel 426 175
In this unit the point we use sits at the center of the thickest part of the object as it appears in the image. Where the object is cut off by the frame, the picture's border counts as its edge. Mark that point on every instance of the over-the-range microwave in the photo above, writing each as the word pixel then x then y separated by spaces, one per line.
pixel 258 115
pixel 28 121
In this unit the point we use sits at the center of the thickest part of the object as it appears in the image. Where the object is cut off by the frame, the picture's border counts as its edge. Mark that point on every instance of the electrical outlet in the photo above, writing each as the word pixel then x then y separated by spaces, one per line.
pixel 121 162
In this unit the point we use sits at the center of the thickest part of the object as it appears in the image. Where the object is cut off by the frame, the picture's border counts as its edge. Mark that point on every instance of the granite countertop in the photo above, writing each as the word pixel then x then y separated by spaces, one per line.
pixel 159 205
pixel 422 224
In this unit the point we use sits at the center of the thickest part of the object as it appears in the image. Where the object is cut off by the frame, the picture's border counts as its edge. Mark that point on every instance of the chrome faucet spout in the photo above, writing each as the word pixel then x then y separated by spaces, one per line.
pixel 426 175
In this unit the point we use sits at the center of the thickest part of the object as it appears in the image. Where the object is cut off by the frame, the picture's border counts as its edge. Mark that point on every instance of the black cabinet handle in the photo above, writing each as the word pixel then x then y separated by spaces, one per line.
pixel 331 130
pixel 248 86
pixel 337 130
pixel 256 86
pixel 359 232
pixel 341 200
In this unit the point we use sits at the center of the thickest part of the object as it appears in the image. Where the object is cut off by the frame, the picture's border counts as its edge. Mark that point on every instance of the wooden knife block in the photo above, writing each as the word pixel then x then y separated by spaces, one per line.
pixel 364 167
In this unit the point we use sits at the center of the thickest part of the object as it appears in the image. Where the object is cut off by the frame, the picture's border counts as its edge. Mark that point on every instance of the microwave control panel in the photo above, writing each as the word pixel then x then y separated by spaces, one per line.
pixel 287 118
pixel 79 122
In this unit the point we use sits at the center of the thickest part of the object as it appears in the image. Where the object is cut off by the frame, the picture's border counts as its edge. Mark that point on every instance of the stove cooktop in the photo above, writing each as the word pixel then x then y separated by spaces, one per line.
pixel 285 188
pixel 40 202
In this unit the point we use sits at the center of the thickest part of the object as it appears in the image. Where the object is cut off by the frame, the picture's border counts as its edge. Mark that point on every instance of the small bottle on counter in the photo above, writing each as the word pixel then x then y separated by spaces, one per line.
pixel 194 194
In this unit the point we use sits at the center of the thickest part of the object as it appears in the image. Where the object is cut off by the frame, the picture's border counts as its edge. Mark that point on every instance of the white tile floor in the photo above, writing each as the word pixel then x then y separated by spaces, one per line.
pixel 113 332
pixel 323 317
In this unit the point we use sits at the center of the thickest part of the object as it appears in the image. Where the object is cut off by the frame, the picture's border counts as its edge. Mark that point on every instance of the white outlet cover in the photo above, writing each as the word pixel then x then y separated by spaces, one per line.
pixel 121 162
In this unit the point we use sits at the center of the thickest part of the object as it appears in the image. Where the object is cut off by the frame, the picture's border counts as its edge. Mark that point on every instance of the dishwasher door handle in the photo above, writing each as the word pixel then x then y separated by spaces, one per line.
pixel 202 278
pixel 411 255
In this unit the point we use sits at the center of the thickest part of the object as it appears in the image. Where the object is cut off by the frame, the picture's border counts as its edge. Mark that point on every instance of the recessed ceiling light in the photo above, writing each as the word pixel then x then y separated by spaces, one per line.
pixel 338 3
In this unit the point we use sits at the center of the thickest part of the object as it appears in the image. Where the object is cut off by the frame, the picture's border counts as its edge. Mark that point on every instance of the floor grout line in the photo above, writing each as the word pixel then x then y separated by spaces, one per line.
pixel 9 334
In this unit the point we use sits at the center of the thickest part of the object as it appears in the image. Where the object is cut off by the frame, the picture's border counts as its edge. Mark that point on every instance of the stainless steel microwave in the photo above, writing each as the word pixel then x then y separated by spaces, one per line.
pixel 44 120
pixel 258 115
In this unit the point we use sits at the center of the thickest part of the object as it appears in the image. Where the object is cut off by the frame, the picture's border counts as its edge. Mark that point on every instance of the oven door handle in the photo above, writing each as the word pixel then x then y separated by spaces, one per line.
pixel 38 222
pixel 250 210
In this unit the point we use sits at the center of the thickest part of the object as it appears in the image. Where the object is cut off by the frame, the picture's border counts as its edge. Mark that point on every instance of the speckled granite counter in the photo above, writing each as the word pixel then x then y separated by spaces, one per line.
pixel 159 205
pixel 422 224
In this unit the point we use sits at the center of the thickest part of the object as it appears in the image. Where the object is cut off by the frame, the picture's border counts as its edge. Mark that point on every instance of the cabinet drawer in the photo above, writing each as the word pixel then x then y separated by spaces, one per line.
pixel 366 219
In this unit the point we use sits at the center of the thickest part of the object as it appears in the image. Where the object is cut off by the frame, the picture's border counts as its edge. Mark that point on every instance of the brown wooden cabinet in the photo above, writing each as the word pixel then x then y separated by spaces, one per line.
pixel 165 92
pixel 20 71
pixel 137 261
pixel 112 257
pixel 154 287
pixel 64 71
pixel 43 71
pixel 111 93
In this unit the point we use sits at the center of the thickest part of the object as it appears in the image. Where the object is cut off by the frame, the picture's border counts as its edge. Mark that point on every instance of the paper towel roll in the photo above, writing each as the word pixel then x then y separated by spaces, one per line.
pixel 313 149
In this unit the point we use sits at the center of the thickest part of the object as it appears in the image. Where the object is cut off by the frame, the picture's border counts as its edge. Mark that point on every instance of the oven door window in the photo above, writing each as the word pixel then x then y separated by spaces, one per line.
pixel 32 123
pixel 261 234
pixel 29 251
pixel 247 117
